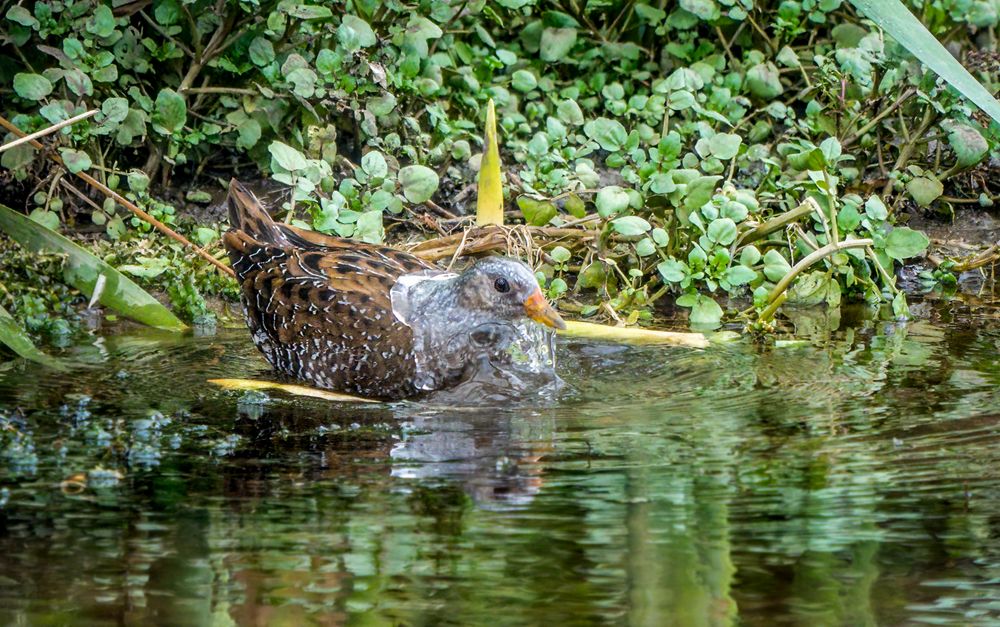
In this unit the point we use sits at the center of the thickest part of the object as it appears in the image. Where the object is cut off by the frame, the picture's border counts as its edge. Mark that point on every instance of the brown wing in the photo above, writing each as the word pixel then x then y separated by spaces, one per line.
pixel 319 307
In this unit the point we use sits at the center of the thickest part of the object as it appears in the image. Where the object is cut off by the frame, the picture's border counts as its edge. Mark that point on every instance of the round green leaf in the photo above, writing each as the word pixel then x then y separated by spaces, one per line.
pixel 75 160
pixel 775 266
pixel 630 226
pixel 725 145
pixel 556 43
pixel 924 190
pixel 523 80
pixel 169 112
pixel 32 86
pixel 355 33
pixel 764 82
pixel 611 200
pixel 740 275
pixel 903 243
pixel 722 231
pixel 374 165
pixel 261 51
pixel 287 157
pixel 610 134
pixel 672 270
pixel 645 247
pixel 419 183
pixel 969 145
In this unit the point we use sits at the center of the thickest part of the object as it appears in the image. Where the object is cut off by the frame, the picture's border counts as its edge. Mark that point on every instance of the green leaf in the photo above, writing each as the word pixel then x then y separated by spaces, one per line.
pixel 169 112
pixel 523 81
pixel 303 80
pixel 560 254
pixel 18 341
pixel 536 212
pixel 903 243
pixel 287 157
pixel 167 12
pixel 261 51
pixel 896 19
pixel 368 228
pixel 969 145
pixel 102 23
pixel 764 81
pixel 374 165
pixel 556 43
pixel 115 111
pixel 705 9
pixel 75 160
pixel 924 190
pixel 32 86
pixel 700 191
pixel 307 11
pixel 875 208
pixel 611 200
pixel 418 182
pixel 249 133
pixel 83 269
pixel 48 219
pixel 354 33
pixel 724 145
pixel 610 134
pixel 750 256
pixel 138 181
pixel 722 231
pixel 645 247
pixel 570 113
pixel 630 226
pixel 775 266
pixel 740 275
pixel 672 270
pixel 21 15
pixel 705 312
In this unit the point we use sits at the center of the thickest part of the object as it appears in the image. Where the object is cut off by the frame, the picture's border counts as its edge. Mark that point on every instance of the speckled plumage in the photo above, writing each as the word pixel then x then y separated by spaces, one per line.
pixel 321 308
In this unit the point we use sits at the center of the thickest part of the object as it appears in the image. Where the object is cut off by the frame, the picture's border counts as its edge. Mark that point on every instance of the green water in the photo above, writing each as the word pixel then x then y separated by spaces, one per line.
pixel 850 480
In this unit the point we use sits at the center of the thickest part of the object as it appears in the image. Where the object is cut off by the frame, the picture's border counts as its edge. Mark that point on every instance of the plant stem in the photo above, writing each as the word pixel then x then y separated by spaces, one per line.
pixel 777 223
pixel 808 261
pixel 46 131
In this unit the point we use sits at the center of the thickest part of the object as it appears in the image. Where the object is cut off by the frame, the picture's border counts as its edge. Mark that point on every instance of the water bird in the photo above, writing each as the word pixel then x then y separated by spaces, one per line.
pixel 371 320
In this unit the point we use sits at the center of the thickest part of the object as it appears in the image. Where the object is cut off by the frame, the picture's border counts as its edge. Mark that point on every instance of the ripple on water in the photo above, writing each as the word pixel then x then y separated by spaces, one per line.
pixel 847 480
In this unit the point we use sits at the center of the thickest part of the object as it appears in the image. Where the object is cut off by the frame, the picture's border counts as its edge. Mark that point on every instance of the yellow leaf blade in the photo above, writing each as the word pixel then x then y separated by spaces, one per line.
pixel 289 388
pixel 632 335
pixel 489 203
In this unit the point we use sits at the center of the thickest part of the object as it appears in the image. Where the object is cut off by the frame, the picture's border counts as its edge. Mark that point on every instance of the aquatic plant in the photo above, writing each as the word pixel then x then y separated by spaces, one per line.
pixel 699 150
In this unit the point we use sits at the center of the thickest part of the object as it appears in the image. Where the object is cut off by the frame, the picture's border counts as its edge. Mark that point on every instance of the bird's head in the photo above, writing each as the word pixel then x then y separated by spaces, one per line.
pixel 507 289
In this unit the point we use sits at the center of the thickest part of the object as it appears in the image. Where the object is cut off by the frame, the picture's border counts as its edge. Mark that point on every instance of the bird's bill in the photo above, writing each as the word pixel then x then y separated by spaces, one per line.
pixel 539 310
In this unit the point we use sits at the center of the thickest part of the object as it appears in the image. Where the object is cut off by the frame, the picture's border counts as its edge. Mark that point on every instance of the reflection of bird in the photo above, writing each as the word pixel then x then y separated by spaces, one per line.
pixel 367 319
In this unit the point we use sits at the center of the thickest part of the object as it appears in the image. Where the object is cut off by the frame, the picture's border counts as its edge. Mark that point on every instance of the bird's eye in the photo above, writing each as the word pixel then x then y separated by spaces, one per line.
pixel 501 285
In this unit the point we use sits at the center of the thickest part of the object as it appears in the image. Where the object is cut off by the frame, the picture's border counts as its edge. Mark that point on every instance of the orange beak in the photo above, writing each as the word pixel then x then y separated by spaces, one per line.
pixel 539 310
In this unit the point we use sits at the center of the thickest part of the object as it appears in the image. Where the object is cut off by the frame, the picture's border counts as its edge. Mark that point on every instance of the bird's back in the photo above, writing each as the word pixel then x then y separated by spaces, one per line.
pixel 318 307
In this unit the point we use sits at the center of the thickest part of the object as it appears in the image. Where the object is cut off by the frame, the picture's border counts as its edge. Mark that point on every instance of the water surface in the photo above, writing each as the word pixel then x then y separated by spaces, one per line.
pixel 852 478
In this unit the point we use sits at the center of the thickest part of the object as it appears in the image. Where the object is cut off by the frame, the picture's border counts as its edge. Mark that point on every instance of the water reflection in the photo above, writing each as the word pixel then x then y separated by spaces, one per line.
pixel 847 479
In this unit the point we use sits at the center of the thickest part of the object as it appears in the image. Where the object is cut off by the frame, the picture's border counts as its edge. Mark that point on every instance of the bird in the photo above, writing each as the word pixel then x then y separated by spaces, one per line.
pixel 371 320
